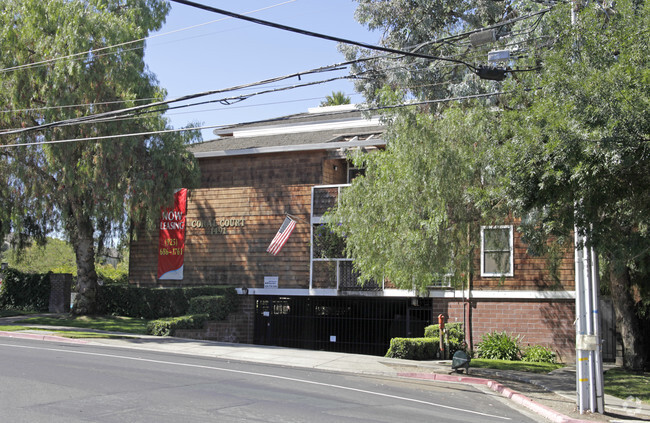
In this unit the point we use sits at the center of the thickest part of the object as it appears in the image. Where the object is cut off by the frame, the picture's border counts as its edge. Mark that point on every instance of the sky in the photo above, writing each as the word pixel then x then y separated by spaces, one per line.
pixel 231 52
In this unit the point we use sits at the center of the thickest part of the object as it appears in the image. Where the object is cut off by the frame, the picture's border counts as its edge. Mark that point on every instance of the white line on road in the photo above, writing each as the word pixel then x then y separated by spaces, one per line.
pixel 221 369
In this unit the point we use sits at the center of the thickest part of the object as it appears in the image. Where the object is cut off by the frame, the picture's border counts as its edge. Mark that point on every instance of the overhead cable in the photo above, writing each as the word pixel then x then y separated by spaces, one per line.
pixel 319 35
pixel 115 113
pixel 286 118
pixel 94 51
pixel 487 28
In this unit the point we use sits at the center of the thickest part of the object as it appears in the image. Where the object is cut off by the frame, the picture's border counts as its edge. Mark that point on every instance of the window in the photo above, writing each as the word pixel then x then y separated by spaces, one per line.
pixel 496 251
pixel 353 172
pixel 441 281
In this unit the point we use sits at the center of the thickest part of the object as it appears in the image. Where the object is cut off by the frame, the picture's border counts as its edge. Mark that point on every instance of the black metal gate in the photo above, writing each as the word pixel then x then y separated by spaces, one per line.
pixel 608 329
pixel 362 325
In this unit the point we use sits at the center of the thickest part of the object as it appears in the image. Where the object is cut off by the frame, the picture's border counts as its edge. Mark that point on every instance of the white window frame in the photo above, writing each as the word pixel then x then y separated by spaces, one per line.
pixel 510 271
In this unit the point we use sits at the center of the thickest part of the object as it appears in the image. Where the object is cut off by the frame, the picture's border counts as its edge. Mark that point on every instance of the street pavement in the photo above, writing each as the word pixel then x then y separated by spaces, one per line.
pixel 524 388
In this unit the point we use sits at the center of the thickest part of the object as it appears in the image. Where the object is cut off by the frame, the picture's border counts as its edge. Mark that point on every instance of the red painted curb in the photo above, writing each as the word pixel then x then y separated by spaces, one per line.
pixel 42 337
pixel 515 396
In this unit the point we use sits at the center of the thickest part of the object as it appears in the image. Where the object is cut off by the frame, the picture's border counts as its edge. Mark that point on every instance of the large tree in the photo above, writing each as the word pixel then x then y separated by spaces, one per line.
pixel 566 148
pixel 579 146
pixel 417 212
pixel 414 217
pixel 91 190
pixel 448 29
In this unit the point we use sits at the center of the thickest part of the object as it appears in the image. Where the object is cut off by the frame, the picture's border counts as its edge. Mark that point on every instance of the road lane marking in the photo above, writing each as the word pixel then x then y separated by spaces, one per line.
pixel 244 372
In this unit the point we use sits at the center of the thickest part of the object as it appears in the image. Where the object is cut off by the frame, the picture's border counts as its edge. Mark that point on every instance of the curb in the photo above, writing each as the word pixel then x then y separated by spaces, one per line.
pixel 515 396
pixel 42 337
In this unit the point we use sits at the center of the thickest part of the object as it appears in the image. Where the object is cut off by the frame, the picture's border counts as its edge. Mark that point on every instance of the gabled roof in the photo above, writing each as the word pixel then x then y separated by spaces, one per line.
pixel 324 128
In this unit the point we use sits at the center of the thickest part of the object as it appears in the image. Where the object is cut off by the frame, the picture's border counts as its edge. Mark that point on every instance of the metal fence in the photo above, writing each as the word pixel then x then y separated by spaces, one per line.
pixel 352 325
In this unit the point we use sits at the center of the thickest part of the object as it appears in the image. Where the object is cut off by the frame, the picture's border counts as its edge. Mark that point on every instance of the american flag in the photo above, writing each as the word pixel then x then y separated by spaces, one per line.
pixel 282 236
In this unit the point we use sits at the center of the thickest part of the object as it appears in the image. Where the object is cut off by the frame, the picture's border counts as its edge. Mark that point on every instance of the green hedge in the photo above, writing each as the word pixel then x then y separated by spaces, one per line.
pixel 25 291
pixel 427 348
pixel 455 336
pixel 169 326
pixel 413 348
pixel 217 307
pixel 153 303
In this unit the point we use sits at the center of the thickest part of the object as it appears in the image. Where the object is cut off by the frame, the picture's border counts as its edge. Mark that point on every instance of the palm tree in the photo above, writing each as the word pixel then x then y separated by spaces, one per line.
pixel 336 99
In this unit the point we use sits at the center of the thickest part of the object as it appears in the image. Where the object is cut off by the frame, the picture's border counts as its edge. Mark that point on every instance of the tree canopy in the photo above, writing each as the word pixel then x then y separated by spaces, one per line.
pixel 449 30
pixel 337 98
pixel 578 152
pixel 564 145
pixel 91 190
pixel 413 217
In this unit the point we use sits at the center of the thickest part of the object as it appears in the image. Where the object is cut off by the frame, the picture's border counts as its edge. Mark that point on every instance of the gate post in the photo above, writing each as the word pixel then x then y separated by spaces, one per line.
pixel 60 286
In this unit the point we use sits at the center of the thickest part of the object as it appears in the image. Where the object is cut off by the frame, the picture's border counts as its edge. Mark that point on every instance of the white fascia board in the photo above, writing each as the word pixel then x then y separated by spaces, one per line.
pixel 504 295
pixel 291 148
pixel 300 128
pixel 443 293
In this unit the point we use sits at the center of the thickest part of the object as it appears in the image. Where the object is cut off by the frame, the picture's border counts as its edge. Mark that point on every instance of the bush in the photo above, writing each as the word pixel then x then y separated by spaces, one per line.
pixel 153 303
pixel 111 275
pixel 169 326
pixel 538 354
pixel 25 291
pixel 413 348
pixel 217 307
pixel 499 346
pixel 455 336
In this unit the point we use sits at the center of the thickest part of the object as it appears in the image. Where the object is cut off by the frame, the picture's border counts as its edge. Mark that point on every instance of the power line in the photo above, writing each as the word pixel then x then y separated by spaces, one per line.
pixel 487 28
pixel 319 35
pixel 117 113
pixel 481 71
pixel 86 53
pixel 286 118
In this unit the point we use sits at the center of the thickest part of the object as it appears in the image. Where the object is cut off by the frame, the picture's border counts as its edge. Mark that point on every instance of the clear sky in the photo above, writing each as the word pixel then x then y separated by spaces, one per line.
pixel 232 52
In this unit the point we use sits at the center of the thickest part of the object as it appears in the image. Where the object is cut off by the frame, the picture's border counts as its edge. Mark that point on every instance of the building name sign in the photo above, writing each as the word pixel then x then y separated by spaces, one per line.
pixel 217 226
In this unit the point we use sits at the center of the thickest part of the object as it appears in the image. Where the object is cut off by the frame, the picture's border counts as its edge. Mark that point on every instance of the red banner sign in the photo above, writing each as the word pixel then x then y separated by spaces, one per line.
pixel 171 239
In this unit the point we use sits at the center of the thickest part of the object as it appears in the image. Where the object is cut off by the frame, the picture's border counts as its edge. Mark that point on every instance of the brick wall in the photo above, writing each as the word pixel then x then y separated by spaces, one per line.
pixel 258 191
pixel 236 328
pixel 540 322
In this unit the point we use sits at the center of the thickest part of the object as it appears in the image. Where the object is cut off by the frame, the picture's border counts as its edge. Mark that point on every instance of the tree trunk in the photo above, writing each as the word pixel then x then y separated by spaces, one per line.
pixel 627 322
pixel 84 248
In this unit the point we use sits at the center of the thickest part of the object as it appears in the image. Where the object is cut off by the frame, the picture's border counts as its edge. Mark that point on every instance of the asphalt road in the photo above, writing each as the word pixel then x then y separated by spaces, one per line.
pixel 52 382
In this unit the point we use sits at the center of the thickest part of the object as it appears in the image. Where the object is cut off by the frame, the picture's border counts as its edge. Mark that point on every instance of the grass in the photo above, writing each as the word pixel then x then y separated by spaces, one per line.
pixel 617 382
pixel 623 384
pixel 74 334
pixel 11 328
pixel 106 323
pixel 14 312
pixel 522 366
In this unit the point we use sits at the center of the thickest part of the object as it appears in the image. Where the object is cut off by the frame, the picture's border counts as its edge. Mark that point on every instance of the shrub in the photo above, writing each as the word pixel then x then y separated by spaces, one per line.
pixel 413 348
pixel 538 354
pixel 455 336
pixel 217 307
pixel 25 291
pixel 169 326
pixel 153 303
pixel 499 346
pixel 111 275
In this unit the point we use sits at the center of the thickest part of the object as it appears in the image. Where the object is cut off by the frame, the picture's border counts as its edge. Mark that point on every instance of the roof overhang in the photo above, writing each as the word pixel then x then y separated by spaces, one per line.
pixel 374 142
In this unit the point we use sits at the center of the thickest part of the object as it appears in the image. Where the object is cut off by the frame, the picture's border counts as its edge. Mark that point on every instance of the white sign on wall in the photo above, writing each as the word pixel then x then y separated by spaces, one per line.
pixel 270 282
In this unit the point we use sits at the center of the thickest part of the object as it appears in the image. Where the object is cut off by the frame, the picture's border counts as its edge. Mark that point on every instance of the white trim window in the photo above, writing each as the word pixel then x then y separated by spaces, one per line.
pixel 497 251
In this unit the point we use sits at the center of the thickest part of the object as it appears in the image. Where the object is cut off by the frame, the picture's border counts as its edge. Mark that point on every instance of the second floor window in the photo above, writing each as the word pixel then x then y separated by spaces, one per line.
pixel 497 251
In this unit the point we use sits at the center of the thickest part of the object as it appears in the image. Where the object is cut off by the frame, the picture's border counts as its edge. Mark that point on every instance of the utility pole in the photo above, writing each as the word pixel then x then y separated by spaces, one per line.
pixel 589 364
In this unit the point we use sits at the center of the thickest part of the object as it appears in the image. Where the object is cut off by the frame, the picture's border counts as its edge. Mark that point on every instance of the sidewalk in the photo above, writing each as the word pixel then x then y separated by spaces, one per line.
pixel 551 396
